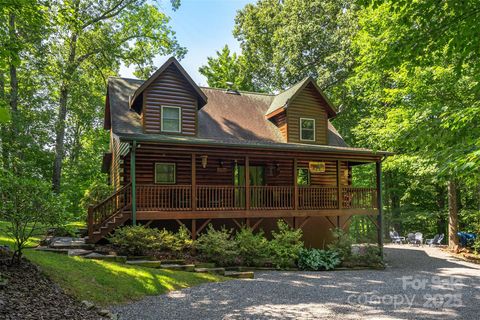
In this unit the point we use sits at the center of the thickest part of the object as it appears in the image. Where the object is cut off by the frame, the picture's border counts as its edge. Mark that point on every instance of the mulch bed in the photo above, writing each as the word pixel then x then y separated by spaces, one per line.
pixel 29 294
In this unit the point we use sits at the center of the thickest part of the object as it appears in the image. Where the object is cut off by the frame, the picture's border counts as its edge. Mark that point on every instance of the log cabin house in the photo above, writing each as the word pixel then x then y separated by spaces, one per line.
pixel 187 155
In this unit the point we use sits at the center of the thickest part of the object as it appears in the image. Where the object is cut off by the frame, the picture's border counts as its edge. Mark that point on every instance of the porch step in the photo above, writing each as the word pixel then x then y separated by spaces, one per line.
pixel 145 263
pixel 181 267
pixel 70 243
pixel 116 221
pixel 220 271
pixel 240 274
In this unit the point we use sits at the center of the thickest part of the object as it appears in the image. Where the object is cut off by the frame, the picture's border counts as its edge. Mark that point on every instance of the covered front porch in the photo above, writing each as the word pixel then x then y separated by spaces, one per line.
pixel 211 183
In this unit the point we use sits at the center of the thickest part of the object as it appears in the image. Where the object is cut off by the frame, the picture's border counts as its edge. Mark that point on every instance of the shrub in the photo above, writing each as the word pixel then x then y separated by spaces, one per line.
pixel 176 242
pixel 252 248
pixel 315 259
pixel 29 207
pixel 217 246
pixel 367 256
pixel 342 243
pixel 285 245
pixel 136 240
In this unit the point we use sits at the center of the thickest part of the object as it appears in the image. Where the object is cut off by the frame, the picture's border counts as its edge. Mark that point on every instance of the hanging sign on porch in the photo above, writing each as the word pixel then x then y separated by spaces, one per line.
pixel 316 167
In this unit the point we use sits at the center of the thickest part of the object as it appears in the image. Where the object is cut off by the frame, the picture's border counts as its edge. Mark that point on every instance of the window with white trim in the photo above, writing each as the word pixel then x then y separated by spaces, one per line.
pixel 171 119
pixel 307 129
pixel 165 173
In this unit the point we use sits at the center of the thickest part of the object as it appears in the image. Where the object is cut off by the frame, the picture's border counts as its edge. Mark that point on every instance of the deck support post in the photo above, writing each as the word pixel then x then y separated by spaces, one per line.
pixel 295 184
pixel 339 186
pixel 378 170
pixel 194 229
pixel 247 183
pixel 194 183
pixel 133 180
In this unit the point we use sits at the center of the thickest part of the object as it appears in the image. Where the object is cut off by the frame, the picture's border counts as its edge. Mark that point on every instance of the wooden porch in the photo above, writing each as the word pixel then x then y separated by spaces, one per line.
pixel 214 190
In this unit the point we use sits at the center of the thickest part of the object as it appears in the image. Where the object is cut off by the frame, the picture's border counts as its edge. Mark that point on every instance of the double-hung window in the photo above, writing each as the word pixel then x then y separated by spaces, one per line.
pixel 165 173
pixel 307 129
pixel 171 119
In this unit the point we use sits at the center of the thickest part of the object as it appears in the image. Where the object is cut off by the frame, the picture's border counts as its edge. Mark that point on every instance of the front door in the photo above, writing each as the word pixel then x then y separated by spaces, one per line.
pixel 257 178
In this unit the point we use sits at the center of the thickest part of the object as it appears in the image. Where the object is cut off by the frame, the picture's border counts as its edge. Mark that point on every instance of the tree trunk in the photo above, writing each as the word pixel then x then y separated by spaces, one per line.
pixel 452 215
pixel 441 196
pixel 62 116
pixel 4 131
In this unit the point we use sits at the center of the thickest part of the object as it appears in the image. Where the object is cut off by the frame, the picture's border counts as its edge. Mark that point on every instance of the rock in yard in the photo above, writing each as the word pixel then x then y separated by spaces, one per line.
pixel 89 305
pixel 145 263
pixel 105 313
pixel 70 243
pixel 240 274
pixel 181 267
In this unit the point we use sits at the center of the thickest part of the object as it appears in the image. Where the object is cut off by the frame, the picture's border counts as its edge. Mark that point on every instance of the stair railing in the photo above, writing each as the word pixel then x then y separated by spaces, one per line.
pixel 103 211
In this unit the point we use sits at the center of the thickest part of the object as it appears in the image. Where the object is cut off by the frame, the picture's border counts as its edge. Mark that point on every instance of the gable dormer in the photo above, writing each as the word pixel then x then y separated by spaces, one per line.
pixel 168 101
pixel 301 113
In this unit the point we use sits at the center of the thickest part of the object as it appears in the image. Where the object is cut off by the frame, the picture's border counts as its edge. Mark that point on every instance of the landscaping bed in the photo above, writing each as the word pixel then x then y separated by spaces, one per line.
pixel 28 294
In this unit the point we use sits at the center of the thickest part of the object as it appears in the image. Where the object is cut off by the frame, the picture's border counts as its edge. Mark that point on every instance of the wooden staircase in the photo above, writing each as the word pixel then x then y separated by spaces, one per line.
pixel 109 214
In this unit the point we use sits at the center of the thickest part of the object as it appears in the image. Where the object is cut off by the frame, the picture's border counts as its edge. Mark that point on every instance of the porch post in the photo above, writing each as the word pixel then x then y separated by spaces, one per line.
pixel 378 168
pixel 194 183
pixel 133 180
pixel 295 184
pixel 247 183
pixel 339 185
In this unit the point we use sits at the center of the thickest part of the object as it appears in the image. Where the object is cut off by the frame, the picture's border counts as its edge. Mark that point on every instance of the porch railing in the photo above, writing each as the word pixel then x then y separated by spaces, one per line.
pixel 313 197
pixel 180 198
pixel 159 198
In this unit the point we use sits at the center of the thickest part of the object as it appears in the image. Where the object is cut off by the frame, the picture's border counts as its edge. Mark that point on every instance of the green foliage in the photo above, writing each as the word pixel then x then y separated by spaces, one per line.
pixel 95 193
pixel 252 247
pixel 227 67
pixel 342 243
pixel 218 246
pixel 315 259
pixel 285 245
pixel 176 242
pixel 137 240
pixel 29 207
pixel 366 256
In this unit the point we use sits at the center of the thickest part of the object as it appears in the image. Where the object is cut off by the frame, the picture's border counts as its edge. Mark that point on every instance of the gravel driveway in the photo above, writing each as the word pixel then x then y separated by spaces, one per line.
pixel 419 283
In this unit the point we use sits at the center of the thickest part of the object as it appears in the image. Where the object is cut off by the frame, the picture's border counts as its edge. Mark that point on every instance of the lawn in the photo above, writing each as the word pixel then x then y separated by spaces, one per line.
pixel 107 283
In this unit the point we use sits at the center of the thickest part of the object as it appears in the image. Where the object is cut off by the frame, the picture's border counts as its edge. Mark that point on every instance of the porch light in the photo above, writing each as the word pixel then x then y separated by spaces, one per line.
pixel 204 161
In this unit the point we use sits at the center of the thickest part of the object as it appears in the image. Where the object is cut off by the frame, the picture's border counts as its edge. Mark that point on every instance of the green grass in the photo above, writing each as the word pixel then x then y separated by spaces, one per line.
pixel 107 283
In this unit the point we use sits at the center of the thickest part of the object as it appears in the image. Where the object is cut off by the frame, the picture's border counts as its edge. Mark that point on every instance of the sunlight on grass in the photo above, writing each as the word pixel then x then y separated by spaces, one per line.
pixel 108 283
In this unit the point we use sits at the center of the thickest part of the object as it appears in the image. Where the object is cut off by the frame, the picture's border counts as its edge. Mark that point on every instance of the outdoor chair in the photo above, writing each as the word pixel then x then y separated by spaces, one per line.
pixel 437 240
pixel 395 238
pixel 418 238
pixel 411 238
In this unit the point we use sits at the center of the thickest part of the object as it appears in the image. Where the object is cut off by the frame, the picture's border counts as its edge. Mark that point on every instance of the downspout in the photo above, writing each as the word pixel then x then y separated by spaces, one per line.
pixel 133 180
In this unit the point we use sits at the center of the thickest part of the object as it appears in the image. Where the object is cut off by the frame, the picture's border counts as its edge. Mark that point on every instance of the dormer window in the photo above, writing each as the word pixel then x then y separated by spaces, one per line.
pixel 171 119
pixel 307 129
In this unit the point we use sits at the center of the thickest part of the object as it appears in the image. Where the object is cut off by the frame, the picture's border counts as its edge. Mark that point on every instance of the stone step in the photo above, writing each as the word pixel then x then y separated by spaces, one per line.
pixel 78 252
pixel 47 249
pixel 220 271
pixel 173 261
pixel 106 257
pixel 181 267
pixel 150 258
pixel 239 274
pixel 145 263
pixel 205 265
pixel 70 243
pixel 240 269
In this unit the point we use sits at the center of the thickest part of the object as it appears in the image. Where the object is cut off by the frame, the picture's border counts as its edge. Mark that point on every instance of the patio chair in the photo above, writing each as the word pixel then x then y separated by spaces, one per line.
pixel 395 233
pixel 411 238
pixel 437 240
pixel 418 238
pixel 395 238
